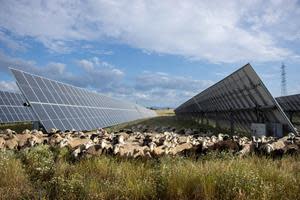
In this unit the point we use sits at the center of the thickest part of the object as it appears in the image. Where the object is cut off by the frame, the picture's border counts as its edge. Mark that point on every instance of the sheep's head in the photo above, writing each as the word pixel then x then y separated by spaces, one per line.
pixel 291 136
pixel 214 139
pixel 220 137
pixel 26 131
pixel 195 142
pixel 263 139
pixel 103 144
pixel 269 148
pixel 152 145
pixel 32 141
pixel 116 149
pixel 8 132
pixel 96 140
pixel 121 139
pixel 63 143
pixel 204 144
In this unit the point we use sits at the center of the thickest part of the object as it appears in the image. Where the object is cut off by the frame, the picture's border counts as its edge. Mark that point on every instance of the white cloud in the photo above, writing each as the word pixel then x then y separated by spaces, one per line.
pixel 212 30
pixel 12 43
pixel 152 80
pixel 101 76
pixel 8 86
pixel 148 88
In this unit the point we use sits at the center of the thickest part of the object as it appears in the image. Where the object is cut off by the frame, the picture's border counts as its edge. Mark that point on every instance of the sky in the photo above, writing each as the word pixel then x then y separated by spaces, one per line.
pixel 154 52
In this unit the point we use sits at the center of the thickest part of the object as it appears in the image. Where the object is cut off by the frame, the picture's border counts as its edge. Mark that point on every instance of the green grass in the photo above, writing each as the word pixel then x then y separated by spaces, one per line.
pixel 48 173
pixel 18 127
pixel 161 121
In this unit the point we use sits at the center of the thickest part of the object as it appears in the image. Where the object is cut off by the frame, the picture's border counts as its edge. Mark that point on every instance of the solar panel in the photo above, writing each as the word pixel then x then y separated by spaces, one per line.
pixel 66 107
pixel 290 103
pixel 12 108
pixel 240 100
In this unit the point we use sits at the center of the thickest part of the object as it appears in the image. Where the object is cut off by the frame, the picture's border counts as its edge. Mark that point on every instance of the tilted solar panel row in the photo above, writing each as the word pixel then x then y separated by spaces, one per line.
pixel 241 97
pixel 12 108
pixel 63 106
pixel 290 103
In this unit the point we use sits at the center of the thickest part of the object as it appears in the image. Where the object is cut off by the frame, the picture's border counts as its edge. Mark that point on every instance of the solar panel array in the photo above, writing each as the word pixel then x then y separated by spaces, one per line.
pixel 66 107
pixel 240 98
pixel 290 103
pixel 12 108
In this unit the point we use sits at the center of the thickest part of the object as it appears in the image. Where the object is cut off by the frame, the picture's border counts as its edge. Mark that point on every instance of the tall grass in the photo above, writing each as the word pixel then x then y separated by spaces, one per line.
pixel 50 174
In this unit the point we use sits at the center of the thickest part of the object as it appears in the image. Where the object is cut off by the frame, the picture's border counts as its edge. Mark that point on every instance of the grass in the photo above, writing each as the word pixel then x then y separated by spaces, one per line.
pixel 48 173
pixel 165 112
pixel 18 127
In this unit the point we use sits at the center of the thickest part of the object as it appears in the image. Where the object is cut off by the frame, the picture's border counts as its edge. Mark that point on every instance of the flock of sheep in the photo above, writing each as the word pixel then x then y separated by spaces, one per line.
pixel 149 144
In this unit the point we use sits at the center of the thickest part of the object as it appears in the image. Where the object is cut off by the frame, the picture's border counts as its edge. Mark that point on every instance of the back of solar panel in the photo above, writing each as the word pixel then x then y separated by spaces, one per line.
pixel 12 108
pixel 63 106
pixel 237 97
pixel 290 103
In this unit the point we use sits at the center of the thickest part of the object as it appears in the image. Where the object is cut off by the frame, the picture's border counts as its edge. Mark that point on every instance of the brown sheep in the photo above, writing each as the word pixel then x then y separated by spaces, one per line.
pixel 23 139
pixel 226 145
pixel 11 143
pixel 94 150
pixel 158 151
pixel 180 148
pixel 55 139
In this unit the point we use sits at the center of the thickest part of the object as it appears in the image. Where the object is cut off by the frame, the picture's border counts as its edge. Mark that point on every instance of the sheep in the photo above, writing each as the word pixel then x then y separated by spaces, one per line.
pixel 226 145
pixel 122 151
pixel 180 148
pixel 158 151
pixel 273 149
pixel 94 150
pixel 8 132
pixel 291 149
pixel 37 139
pixel 55 139
pixel 132 151
pixel 11 143
pixel 246 149
pixel 23 139
pixel 2 143
pixel 106 147
pixel 81 149
pixel 72 143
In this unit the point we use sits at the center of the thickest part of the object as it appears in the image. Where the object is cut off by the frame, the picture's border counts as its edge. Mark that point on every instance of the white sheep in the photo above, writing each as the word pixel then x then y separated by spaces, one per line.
pixel 2 143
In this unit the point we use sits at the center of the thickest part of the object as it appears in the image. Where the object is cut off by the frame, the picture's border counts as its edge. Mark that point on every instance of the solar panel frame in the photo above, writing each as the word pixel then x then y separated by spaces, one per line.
pixel 63 106
pixel 242 93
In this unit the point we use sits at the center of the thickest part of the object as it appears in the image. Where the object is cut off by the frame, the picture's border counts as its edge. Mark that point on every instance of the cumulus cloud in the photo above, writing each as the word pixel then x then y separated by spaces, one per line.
pixel 148 88
pixel 167 90
pixel 99 74
pixel 208 30
pixel 95 74
pixel 8 86
pixel 12 43
pixel 150 80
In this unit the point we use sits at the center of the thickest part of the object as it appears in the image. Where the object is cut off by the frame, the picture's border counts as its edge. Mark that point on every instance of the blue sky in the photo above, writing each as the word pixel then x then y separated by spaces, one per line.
pixel 155 53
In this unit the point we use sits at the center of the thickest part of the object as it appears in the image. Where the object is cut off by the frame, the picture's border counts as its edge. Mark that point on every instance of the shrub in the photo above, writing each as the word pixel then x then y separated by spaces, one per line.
pixel 14 183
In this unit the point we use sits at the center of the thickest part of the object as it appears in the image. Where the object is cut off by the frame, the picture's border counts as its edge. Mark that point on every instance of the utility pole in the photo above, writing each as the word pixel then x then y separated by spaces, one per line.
pixel 283 80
